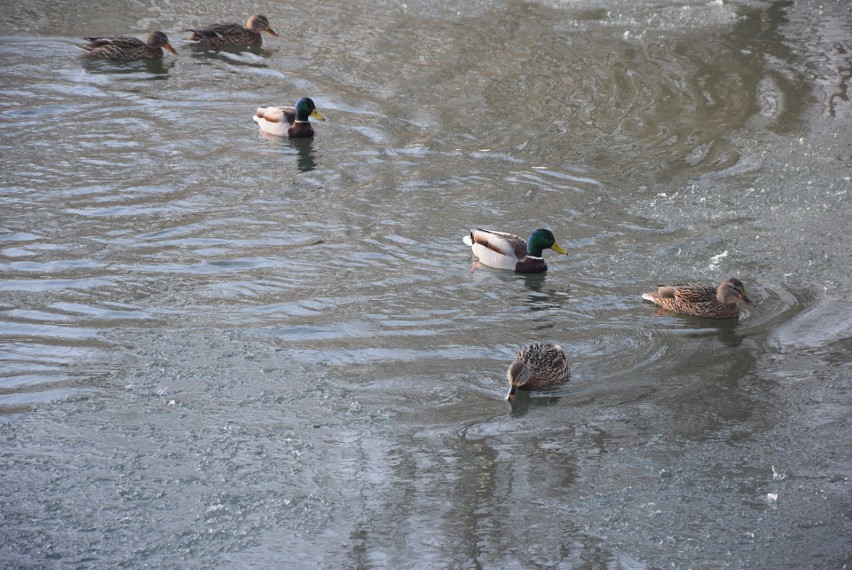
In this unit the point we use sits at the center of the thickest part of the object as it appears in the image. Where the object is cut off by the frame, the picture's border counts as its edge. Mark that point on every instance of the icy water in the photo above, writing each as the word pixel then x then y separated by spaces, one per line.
pixel 225 350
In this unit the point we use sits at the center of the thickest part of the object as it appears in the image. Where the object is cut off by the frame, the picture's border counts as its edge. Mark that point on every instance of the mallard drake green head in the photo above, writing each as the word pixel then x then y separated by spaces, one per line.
pixel 231 34
pixel 126 48
pixel 508 251
pixel 290 121
pixel 537 366
pixel 701 299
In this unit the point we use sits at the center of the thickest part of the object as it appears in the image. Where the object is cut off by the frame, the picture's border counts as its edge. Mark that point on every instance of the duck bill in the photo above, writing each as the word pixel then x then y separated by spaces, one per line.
pixel 169 47
pixel 746 300
pixel 513 391
pixel 271 32
pixel 316 115
pixel 555 247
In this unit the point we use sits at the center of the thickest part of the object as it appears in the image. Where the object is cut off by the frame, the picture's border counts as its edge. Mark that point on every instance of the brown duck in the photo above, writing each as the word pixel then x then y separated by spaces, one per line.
pixel 231 34
pixel 537 366
pixel 127 48
pixel 701 299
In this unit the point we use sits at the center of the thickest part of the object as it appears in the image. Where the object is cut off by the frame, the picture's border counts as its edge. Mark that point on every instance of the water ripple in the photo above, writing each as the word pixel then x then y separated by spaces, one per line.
pixel 188 306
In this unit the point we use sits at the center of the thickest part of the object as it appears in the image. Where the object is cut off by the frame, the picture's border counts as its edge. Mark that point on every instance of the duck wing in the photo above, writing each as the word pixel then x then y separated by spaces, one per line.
pixel 548 364
pixel 276 114
pixel 215 31
pixel 502 243
pixel 686 292
pixel 117 42
pixel 117 47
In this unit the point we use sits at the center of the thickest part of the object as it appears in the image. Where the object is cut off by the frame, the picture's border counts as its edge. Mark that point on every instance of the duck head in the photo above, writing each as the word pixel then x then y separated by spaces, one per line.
pixel 540 240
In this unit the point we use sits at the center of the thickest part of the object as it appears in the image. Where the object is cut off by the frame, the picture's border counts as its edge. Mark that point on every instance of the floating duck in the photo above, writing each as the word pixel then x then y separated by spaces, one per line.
pixel 701 299
pixel 508 251
pixel 290 121
pixel 537 366
pixel 231 34
pixel 126 48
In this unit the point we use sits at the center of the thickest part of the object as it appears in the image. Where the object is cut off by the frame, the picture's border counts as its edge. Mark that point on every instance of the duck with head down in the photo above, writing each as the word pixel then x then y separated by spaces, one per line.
pixel 537 366
pixel 127 48
pixel 701 299
pixel 231 34
pixel 508 251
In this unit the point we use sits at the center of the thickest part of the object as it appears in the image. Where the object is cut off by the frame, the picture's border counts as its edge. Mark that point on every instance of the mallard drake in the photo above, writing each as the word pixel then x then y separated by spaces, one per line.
pixel 508 251
pixel 290 121
pixel 537 366
pixel 125 48
pixel 701 299
pixel 231 34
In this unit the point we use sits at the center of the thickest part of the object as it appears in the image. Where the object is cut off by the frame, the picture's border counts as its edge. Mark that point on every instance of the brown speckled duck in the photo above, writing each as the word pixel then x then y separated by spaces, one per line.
pixel 508 251
pixel 231 34
pixel 127 48
pixel 701 299
pixel 537 366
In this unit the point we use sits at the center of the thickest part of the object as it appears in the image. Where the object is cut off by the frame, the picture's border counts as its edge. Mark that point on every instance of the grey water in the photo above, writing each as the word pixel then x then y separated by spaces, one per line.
pixel 220 349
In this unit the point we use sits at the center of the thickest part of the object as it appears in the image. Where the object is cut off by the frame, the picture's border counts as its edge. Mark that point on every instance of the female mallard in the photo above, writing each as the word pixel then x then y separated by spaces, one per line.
pixel 701 299
pixel 508 251
pixel 537 366
pixel 230 34
pixel 125 48
pixel 290 121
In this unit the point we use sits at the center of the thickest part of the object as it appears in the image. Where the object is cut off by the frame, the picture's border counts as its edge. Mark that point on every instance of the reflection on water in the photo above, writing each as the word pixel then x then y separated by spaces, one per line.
pixel 521 405
pixel 156 67
pixel 306 157
pixel 279 344
pixel 244 55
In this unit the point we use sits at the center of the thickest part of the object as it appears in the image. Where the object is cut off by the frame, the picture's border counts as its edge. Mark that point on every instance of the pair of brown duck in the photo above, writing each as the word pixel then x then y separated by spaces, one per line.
pixel 541 365
pixel 219 35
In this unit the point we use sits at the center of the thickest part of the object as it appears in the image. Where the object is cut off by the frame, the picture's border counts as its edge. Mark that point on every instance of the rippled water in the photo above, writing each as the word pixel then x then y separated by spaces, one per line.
pixel 224 349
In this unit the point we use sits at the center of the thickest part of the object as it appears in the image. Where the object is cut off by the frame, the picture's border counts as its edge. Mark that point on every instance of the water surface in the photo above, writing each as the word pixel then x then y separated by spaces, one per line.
pixel 224 349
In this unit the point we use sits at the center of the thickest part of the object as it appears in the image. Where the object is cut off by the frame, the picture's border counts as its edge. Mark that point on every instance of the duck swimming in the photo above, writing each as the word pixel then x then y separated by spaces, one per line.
pixel 127 48
pixel 508 251
pixel 290 121
pixel 537 366
pixel 701 299
pixel 231 34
